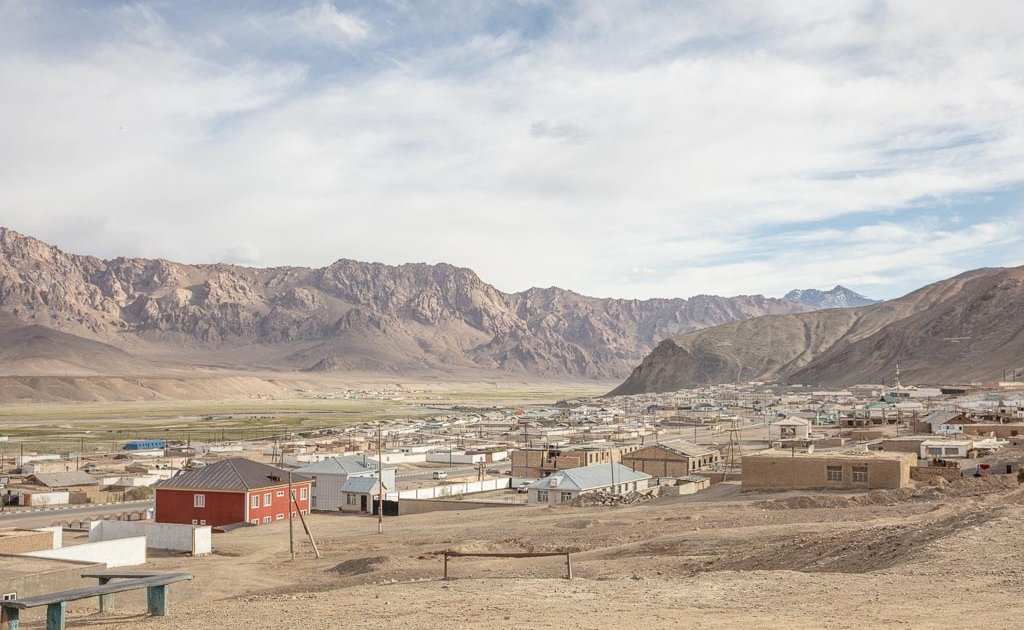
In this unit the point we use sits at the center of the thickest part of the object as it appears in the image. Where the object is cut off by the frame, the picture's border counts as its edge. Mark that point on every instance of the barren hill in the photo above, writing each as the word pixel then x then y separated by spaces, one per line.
pixel 965 328
pixel 349 316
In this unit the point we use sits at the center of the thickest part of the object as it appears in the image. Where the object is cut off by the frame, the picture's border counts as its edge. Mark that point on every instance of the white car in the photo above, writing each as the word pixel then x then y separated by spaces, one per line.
pixel 440 474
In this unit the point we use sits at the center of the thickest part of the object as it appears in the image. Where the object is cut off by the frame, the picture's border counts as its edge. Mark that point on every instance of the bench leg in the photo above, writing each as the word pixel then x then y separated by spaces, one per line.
pixel 107 602
pixel 156 599
pixel 55 614
pixel 13 617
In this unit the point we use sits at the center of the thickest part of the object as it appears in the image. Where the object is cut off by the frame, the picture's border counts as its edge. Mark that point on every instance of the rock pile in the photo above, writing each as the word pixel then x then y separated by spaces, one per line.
pixel 601 498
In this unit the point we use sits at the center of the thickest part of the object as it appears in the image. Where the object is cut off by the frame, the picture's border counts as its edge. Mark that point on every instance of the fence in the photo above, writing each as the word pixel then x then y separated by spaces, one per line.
pixel 451 489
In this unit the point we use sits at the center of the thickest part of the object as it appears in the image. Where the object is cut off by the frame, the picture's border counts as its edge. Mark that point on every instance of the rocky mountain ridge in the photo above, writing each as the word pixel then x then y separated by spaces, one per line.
pixel 957 330
pixel 837 297
pixel 348 316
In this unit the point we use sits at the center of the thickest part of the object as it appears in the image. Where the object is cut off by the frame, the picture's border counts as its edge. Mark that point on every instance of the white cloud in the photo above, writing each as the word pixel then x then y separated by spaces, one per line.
pixel 624 152
pixel 324 23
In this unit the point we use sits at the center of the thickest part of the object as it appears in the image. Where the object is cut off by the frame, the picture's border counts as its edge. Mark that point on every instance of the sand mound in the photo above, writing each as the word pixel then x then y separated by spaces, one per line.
pixel 861 551
pixel 362 566
pixel 930 491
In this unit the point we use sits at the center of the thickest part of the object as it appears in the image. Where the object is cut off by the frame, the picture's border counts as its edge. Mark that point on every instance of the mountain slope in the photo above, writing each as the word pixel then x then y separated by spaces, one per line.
pixel 838 297
pixel 965 328
pixel 349 316
pixel 32 349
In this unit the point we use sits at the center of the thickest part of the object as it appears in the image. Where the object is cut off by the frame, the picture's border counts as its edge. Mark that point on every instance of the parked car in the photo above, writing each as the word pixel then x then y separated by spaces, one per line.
pixel 440 474
pixel 523 487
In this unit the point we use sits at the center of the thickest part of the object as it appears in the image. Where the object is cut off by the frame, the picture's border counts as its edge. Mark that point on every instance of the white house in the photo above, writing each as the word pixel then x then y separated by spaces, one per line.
pixel 945 449
pixel 331 475
pixel 565 485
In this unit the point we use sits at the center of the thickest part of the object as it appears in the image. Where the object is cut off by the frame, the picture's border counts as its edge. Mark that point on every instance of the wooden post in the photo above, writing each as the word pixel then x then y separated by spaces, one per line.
pixel 55 615
pixel 156 600
pixel 446 566
pixel 13 617
pixel 305 527
pixel 568 567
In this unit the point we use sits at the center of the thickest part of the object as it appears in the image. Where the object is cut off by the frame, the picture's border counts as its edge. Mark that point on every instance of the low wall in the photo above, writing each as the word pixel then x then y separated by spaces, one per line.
pixel 451 489
pixel 196 540
pixel 125 552
pixel 21 541
pixel 422 506
pixel 924 473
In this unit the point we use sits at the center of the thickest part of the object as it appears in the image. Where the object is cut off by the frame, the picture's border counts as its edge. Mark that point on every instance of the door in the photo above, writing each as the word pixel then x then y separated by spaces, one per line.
pixel 362 503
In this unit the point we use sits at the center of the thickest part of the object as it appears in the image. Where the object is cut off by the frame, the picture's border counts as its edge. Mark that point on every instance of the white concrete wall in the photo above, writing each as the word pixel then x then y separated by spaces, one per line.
pixel 125 552
pixel 46 498
pixel 58 535
pixel 455 458
pixel 197 540
pixel 450 489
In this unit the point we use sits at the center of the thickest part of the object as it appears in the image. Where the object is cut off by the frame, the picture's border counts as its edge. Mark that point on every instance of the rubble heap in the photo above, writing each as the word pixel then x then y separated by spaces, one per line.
pixel 601 498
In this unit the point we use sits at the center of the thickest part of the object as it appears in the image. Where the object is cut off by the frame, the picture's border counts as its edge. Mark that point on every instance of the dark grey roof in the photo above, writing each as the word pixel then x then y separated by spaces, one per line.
pixel 65 479
pixel 235 474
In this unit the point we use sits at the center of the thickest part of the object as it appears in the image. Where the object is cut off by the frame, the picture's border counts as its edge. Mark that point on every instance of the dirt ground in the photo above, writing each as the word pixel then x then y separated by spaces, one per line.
pixel 936 556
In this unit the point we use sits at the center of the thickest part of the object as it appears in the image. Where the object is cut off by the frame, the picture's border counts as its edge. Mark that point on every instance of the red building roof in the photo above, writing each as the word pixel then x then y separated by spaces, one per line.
pixel 236 474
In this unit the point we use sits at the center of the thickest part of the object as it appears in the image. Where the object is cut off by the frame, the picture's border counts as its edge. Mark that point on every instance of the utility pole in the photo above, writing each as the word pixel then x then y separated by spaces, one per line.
pixel 380 480
pixel 291 517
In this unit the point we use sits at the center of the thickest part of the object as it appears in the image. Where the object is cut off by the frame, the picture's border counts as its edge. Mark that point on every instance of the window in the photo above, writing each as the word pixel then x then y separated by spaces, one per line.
pixel 8 597
pixel 280 493
pixel 934 450
pixel 566 496
pixel 199 500
pixel 834 473
pixel 350 499
pixel 304 493
pixel 280 517
pixel 202 521
pixel 951 450
pixel 195 522
pixel 542 496
pixel 255 501
pixel 860 474
pixel 266 519
pixel 267 498
pixel 255 521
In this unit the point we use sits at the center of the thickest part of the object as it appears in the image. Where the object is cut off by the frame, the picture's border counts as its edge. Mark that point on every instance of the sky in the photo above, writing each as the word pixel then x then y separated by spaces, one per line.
pixel 618 149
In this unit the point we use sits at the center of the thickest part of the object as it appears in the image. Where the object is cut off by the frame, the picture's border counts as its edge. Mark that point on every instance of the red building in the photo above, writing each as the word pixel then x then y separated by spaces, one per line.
pixel 235 490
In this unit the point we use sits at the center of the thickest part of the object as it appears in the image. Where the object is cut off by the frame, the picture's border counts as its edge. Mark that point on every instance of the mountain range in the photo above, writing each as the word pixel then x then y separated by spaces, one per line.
pixel 838 297
pixel 966 328
pixel 72 314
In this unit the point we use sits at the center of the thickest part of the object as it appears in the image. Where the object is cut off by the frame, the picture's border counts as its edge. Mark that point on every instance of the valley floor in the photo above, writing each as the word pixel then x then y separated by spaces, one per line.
pixel 934 557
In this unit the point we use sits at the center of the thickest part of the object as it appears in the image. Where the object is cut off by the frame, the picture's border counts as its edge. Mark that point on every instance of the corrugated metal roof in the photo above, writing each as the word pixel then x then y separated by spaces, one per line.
pixel 360 485
pixel 588 478
pixel 65 479
pixel 234 474
pixel 345 465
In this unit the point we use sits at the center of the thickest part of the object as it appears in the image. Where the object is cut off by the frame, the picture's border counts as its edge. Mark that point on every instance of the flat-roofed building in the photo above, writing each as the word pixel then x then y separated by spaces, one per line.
pixel 784 470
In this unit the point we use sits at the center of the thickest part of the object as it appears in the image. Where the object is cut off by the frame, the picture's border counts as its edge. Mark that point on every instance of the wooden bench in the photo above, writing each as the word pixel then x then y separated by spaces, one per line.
pixel 57 603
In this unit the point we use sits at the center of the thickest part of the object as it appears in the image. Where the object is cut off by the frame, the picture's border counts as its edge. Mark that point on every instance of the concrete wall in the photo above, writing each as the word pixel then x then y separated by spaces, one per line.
pixel 37 499
pixel 784 471
pixel 422 506
pixel 125 552
pixel 925 473
pixel 456 458
pixel 21 541
pixel 450 489
pixel 1004 431
pixel 193 539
